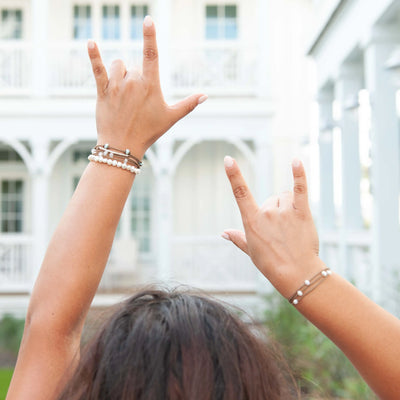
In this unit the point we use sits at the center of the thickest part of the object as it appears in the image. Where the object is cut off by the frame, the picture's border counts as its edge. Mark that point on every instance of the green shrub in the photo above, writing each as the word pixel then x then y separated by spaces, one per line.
pixel 319 367
pixel 5 379
pixel 11 330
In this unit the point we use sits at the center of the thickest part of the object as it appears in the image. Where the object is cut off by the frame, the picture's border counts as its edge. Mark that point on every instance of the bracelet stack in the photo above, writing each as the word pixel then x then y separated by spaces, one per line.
pixel 116 158
pixel 309 285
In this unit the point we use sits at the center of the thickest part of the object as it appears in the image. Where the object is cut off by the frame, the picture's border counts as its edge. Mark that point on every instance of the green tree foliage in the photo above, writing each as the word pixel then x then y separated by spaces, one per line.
pixel 321 370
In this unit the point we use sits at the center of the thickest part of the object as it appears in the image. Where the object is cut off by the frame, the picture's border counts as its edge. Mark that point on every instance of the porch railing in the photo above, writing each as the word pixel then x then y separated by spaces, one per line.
pixel 220 68
pixel 15 263
pixel 207 262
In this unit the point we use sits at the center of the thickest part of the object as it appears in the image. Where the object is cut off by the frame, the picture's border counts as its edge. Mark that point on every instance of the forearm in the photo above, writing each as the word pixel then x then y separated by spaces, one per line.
pixel 78 252
pixel 367 334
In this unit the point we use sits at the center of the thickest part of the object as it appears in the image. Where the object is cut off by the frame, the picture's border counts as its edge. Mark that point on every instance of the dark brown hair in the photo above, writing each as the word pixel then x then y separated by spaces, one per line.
pixel 176 345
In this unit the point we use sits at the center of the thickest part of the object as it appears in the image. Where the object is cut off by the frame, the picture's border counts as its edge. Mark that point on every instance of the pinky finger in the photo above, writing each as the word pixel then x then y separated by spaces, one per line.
pixel 99 71
pixel 238 238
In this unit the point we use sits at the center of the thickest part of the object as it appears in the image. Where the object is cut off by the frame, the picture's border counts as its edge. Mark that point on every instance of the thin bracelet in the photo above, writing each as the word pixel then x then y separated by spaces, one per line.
pixel 116 158
pixel 309 285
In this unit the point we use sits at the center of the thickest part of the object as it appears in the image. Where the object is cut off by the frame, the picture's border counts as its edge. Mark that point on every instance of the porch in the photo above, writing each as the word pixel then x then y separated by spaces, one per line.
pixel 219 68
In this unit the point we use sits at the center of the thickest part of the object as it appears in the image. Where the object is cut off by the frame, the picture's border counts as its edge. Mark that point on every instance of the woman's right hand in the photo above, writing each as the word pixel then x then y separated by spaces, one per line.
pixel 131 110
pixel 280 236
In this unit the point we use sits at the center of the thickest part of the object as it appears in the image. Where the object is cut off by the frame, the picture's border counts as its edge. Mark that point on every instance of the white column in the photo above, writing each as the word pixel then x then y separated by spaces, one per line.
pixel 348 85
pixel 40 203
pixel 326 214
pixel 327 207
pixel 39 41
pixel 164 211
pixel 265 35
pixel 264 176
pixel 385 166
pixel 162 15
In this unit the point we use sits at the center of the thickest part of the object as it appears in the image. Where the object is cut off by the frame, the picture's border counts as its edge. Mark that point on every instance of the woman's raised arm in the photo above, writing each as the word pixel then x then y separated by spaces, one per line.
pixel 281 239
pixel 131 114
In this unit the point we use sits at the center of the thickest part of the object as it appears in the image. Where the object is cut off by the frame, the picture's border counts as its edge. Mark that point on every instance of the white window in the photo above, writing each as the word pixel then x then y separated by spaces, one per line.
pixel 221 22
pixel 141 210
pixel 11 24
pixel 137 15
pixel 111 22
pixel 82 22
pixel 12 205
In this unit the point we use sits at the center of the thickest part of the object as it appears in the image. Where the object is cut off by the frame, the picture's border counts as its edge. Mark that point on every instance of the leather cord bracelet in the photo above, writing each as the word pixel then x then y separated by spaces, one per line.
pixel 111 156
pixel 309 285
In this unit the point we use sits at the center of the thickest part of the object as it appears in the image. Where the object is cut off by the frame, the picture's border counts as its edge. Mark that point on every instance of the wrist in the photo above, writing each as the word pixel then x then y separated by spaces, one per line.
pixel 290 279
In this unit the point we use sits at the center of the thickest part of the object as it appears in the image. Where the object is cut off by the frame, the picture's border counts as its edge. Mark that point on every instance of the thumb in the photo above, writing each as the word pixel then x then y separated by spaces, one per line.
pixel 238 238
pixel 186 106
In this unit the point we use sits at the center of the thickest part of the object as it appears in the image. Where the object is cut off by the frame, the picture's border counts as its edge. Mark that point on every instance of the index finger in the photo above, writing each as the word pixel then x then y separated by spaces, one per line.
pixel 300 196
pixel 150 51
pixel 244 198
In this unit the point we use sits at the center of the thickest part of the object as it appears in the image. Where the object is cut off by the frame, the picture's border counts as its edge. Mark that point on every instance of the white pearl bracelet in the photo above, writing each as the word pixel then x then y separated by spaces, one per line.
pixel 309 285
pixel 114 163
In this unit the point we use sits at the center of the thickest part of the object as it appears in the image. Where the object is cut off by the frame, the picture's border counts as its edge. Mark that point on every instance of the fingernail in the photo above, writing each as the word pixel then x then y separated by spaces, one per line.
pixel 90 44
pixel 296 163
pixel 148 21
pixel 226 236
pixel 228 161
pixel 202 99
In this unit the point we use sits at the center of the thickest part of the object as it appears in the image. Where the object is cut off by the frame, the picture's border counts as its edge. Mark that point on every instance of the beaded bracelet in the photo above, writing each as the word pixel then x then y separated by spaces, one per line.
pixel 309 285
pixel 116 158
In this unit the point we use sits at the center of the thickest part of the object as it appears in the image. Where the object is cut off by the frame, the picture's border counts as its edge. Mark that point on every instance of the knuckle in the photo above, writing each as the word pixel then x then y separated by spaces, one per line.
pixel 150 54
pixel 97 69
pixel 117 62
pixel 300 188
pixel 190 107
pixel 240 191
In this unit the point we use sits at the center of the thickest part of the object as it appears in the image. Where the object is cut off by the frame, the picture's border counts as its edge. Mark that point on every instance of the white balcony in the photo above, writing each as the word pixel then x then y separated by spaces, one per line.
pixel 220 68
pixel 15 68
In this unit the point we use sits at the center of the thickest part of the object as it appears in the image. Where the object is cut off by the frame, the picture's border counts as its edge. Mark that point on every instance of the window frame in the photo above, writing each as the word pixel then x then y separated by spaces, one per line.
pixel 17 6
pixel 90 6
pixel 144 12
pixel 221 21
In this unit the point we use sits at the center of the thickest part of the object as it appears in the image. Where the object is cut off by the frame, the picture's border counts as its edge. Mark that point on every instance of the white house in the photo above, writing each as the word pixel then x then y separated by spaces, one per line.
pixel 247 55
pixel 355 49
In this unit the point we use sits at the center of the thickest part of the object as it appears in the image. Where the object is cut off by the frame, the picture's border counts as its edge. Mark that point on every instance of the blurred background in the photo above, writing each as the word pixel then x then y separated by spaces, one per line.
pixel 315 79
pixel 312 79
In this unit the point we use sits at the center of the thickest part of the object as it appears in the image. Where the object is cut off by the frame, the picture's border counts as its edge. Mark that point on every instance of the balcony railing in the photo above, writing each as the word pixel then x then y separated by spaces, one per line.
pixel 15 263
pixel 15 68
pixel 220 68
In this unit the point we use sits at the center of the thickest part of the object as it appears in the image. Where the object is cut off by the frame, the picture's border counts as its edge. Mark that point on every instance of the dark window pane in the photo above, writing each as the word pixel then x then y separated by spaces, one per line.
pixel 212 11
pixel 230 11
